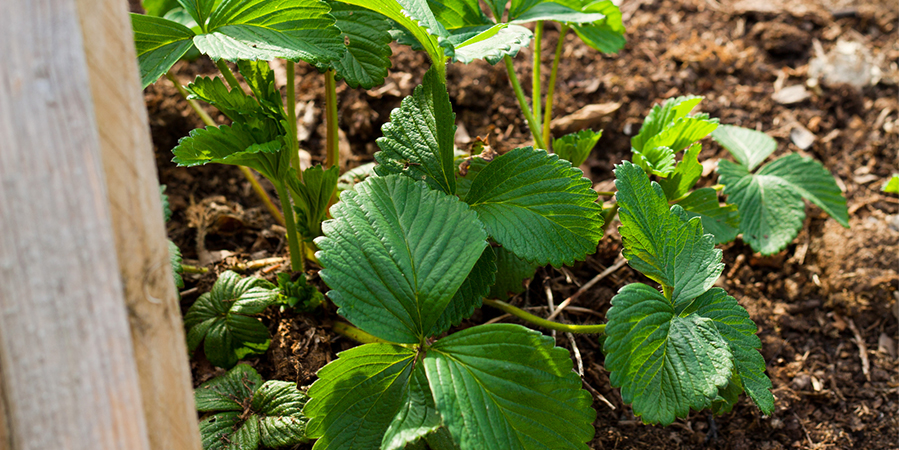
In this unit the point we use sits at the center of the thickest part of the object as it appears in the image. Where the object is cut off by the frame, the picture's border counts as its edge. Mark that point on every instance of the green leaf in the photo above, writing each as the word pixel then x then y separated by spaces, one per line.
pixel 299 295
pixel 228 392
pixel 453 14
pixel 685 175
pixel 605 35
pixel 159 43
pixel 234 103
pixel 414 16
pixel 164 199
pixel 396 253
pixel 417 416
pixel 538 207
pixel 233 145
pixel 416 142
pixel 221 319
pixel 512 273
pixel 749 147
pixel 575 147
pixel 734 324
pixel 175 262
pixel 655 160
pixel 469 295
pixel 368 56
pixel 553 11
pixel 892 186
pixel 503 386
pixel 311 198
pixel 675 136
pixel 198 9
pixel 261 79
pixel 770 201
pixel 665 361
pixel 720 221
pixel 493 44
pixel 662 116
pixel 261 29
pixel 228 431
pixel 662 243
pixel 358 396
pixel 278 406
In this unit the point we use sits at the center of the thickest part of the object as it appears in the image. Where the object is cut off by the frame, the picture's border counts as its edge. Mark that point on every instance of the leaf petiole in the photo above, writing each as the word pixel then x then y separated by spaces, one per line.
pixel 535 320
pixel 523 103
pixel 349 331
pixel 228 74
pixel 551 84
pixel 293 243
pixel 332 149
pixel 536 76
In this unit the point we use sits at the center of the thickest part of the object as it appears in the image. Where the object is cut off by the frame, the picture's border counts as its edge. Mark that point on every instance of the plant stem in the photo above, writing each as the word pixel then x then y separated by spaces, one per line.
pixel 523 103
pixel 606 193
pixel 551 85
pixel 291 110
pixel 186 268
pixel 332 149
pixel 347 330
pixel 257 188
pixel 533 319
pixel 293 242
pixel 536 75
pixel 228 74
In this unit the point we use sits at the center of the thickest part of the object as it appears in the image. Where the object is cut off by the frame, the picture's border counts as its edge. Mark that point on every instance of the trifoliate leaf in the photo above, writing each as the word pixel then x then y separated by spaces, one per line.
pixel 537 206
pixel 235 145
pixel 278 406
pixel 892 186
pixel 222 319
pixel 749 147
pixel 175 262
pixel 493 43
pixel 506 387
pixel 396 253
pixel 469 295
pixel 662 116
pixel 734 324
pixel 358 396
pixel 665 361
pixel 576 147
pixel 720 221
pixel 662 244
pixel 417 416
pixel 771 201
pixel 512 274
pixel 415 17
pixel 368 56
pixel 311 198
pixel 685 175
pixel 261 29
pixel 159 44
pixel 418 141
pixel 229 392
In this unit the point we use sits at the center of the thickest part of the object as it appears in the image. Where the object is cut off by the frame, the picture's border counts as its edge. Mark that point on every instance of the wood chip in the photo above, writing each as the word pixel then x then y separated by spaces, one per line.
pixel 586 117
pixel 802 138
pixel 791 95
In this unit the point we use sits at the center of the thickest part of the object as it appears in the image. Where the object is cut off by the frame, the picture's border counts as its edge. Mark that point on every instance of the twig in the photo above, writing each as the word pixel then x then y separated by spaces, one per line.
pixel 618 265
pixel 861 345
pixel 550 305
pixel 811 443
pixel 577 353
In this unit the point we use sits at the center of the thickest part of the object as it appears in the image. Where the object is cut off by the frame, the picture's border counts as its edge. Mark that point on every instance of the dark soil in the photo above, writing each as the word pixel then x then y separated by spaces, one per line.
pixel 826 306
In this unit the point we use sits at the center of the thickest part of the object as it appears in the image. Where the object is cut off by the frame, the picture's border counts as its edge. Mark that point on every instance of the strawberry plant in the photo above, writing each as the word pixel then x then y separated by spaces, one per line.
pixel 243 412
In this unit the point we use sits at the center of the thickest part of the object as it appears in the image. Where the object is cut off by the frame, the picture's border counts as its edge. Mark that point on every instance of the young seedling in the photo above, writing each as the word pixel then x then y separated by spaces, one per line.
pixel 224 319
pixel 770 201
pixel 243 412
pixel 892 186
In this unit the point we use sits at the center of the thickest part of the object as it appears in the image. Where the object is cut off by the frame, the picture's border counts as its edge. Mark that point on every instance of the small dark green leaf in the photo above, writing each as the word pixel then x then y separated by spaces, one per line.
pixel 512 274
pixel 358 396
pixel 366 62
pixel 396 253
pixel 311 198
pixel 229 392
pixel 159 43
pixel 720 221
pixel 506 387
pixel 749 147
pixel 278 406
pixel 537 206
pixel 576 147
pixel 418 141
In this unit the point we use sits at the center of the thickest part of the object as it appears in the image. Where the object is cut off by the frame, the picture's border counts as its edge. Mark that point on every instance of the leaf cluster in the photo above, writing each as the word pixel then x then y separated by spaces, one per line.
pixel 244 412
pixel 407 256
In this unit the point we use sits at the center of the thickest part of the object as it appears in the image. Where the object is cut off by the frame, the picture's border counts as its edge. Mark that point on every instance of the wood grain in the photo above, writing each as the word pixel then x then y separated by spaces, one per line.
pixel 133 190
pixel 66 361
